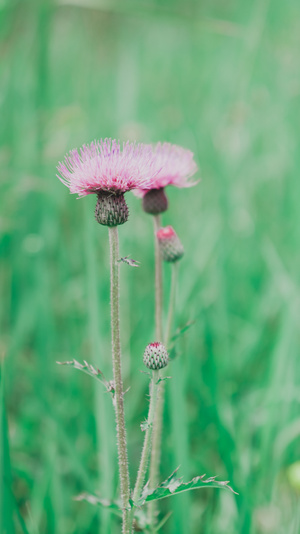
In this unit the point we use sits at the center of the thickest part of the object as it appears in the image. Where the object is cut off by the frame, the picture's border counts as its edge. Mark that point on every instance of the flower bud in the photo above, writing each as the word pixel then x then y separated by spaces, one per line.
pixel 155 201
pixel 170 244
pixel 155 356
pixel 111 209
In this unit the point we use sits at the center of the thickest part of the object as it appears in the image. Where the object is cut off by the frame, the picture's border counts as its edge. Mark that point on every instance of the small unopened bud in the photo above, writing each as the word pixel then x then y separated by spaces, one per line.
pixel 111 208
pixel 155 201
pixel 170 244
pixel 155 356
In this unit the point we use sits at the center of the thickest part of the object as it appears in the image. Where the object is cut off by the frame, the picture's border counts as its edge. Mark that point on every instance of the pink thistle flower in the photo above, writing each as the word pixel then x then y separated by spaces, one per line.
pixel 106 166
pixel 174 165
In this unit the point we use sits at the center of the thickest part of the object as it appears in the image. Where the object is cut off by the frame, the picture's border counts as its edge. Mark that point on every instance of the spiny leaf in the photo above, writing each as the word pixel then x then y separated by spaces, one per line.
pixel 91 371
pixel 173 485
pixel 113 506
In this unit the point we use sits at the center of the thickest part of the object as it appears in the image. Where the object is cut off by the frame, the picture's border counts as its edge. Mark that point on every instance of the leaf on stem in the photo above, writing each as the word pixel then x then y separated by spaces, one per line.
pixel 145 425
pixel 129 261
pixel 91 371
pixel 162 379
pixel 173 485
pixel 142 522
pixel 114 506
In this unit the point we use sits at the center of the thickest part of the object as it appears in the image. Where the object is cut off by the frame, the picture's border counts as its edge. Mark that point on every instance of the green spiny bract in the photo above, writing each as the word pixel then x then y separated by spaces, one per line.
pixel 111 209
pixel 156 356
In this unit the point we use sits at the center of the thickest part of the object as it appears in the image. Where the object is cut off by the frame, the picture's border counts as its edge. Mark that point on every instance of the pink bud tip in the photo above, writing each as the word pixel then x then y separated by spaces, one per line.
pixel 166 233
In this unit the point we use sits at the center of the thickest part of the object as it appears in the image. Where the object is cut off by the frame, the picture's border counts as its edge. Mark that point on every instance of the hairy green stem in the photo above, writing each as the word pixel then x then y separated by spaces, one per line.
pixel 158 282
pixel 157 431
pixel 104 428
pixel 154 385
pixel 158 419
pixel 171 304
pixel 116 356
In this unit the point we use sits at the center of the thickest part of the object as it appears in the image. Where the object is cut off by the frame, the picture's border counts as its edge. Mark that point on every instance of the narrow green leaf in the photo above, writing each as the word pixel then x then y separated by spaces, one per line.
pixel 174 485
pixel 6 497
pixel 91 371
pixel 172 347
pixel 180 331
pixel 163 522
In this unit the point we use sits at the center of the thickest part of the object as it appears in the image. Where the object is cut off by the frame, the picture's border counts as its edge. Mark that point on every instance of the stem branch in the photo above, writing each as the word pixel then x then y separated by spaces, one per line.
pixel 154 385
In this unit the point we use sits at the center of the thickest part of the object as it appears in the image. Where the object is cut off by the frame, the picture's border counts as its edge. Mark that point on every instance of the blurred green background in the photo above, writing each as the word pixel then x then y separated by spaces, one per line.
pixel 222 78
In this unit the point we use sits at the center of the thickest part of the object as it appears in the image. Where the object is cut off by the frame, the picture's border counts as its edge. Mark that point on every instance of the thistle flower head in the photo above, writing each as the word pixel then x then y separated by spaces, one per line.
pixel 111 209
pixel 106 166
pixel 169 244
pixel 174 166
pixel 156 356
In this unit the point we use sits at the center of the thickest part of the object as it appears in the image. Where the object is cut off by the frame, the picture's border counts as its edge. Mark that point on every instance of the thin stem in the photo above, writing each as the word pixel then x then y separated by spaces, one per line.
pixel 158 282
pixel 157 432
pixel 157 424
pixel 154 385
pixel 104 426
pixel 171 304
pixel 116 356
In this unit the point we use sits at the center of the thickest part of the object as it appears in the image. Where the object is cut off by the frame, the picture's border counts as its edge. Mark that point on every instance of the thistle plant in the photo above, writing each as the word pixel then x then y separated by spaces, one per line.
pixel 175 166
pixel 106 169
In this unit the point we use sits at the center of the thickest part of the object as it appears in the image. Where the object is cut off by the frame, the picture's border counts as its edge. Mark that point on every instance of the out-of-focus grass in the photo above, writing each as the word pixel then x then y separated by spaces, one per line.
pixel 223 79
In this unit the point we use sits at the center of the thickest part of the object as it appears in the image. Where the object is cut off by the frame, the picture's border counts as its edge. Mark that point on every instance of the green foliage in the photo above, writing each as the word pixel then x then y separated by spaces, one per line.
pixel 181 331
pixel 221 78
pixel 6 495
pixel 173 485
pixel 91 371
pixel 176 338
